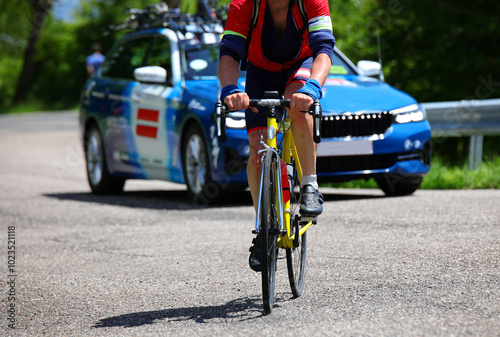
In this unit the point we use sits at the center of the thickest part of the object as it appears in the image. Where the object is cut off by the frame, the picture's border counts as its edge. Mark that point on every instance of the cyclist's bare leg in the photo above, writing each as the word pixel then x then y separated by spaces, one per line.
pixel 302 128
pixel 254 164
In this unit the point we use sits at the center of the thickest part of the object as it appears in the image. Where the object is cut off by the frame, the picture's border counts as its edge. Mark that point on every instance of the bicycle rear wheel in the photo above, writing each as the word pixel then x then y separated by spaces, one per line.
pixel 296 257
pixel 269 231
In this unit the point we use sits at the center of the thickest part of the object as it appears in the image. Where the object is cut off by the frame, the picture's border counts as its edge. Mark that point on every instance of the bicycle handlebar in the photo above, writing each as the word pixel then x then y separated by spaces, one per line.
pixel 315 111
pixel 270 102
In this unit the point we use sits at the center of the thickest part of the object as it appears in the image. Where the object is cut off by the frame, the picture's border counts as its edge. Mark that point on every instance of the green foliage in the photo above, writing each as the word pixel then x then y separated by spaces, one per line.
pixel 442 176
pixel 14 32
pixel 60 61
pixel 59 67
pixel 440 50
pixel 351 30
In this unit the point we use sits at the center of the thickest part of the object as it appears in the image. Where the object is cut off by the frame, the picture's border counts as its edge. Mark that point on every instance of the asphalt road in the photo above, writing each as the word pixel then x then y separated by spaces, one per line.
pixel 150 263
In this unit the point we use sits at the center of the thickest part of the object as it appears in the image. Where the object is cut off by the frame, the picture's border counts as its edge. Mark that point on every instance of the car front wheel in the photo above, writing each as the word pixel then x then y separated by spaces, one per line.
pixel 100 181
pixel 396 185
pixel 195 163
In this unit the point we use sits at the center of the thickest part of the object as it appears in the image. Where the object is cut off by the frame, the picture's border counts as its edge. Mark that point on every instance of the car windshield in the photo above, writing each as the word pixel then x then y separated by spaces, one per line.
pixel 340 67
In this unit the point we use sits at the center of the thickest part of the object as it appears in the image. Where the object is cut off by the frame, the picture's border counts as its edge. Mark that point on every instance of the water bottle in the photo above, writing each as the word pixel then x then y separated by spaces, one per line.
pixel 284 181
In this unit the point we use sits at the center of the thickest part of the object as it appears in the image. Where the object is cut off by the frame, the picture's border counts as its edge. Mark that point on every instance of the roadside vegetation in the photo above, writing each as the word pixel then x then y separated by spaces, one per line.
pixel 446 177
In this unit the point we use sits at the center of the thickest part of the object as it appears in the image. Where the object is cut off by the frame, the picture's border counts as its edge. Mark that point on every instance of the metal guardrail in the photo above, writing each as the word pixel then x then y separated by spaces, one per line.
pixel 475 118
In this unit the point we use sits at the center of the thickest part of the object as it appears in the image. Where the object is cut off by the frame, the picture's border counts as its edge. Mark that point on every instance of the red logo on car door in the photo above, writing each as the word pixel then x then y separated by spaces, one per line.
pixel 147 123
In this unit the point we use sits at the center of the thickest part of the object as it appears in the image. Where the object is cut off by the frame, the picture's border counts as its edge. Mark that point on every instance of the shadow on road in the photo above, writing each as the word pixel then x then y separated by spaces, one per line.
pixel 176 199
pixel 179 200
pixel 241 309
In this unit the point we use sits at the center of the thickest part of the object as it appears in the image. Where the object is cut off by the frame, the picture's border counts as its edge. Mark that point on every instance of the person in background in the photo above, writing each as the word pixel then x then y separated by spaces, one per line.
pixel 95 60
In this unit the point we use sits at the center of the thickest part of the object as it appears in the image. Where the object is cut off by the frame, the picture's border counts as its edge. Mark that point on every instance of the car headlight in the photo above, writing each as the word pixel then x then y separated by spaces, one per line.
pixel 409 113
pixel 236 120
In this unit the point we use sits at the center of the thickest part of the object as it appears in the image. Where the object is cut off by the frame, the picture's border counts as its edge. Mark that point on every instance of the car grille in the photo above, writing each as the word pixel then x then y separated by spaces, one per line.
pixel 355 163
pixel 358 125
pixel 363 163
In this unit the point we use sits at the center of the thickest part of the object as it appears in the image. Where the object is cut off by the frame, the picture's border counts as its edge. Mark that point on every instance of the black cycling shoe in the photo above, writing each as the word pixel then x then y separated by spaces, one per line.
pixel 311 202
pixel 255 259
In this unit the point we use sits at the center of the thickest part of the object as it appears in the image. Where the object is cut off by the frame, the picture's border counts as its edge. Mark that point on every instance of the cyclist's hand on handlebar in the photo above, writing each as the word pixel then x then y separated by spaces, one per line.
pixel 301 102
pixel 238 101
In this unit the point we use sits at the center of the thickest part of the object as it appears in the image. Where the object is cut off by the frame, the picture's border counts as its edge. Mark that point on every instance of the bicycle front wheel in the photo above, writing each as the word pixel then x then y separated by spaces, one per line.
pixel 269 230
pixel 296 257
pixel 296 265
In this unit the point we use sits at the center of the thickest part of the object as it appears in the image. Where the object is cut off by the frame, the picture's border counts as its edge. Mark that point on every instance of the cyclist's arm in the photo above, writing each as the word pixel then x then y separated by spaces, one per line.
pixel 321 42
pixel 228 76
pixel 228 71
pixel 321 68
pixel 319 71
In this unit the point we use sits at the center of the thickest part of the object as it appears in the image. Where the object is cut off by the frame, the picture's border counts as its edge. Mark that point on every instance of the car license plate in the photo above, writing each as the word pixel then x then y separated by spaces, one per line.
pixel 345 148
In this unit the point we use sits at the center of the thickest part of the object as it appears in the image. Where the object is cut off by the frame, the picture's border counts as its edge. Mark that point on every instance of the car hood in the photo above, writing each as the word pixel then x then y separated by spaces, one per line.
pixel 358 93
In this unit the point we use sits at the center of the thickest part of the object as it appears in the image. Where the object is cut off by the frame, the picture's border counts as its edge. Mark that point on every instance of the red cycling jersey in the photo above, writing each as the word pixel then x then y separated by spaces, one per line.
pixel 318 38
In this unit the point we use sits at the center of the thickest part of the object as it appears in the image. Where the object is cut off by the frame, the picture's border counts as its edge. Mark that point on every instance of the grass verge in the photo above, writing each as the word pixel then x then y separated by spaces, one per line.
pixel 447 177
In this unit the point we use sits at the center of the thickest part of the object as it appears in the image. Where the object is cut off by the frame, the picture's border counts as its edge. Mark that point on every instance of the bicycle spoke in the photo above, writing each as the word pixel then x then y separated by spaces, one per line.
pixel 296 257
pixel 268 236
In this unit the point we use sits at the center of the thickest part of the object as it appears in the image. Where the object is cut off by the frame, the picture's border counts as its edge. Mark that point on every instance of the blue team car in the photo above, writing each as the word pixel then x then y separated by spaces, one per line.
pixel 148 113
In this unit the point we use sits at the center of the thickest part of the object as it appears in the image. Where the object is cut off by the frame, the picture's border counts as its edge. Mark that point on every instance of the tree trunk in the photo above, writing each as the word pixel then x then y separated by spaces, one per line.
pixel 41 9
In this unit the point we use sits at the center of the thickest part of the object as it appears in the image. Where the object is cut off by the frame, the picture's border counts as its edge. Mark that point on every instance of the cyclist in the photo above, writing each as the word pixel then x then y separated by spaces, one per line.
pixel 288 52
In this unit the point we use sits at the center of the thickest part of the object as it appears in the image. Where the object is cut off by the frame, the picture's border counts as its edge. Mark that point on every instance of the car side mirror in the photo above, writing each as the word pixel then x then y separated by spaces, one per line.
pixel 369 68
pixel 151 74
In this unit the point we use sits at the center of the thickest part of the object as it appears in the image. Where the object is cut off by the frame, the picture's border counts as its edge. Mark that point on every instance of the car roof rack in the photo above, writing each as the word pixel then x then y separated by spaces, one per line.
pixel 161 16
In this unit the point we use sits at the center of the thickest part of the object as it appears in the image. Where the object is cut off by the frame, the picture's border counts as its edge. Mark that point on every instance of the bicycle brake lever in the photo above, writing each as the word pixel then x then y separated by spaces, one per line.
pixel 317 116
pixel 220 114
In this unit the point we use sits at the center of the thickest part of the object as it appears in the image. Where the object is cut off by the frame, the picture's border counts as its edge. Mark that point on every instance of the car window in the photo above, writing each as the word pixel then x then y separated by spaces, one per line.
pixel 160 55
pixel 339 67
pixel 125 58
pixel 200 61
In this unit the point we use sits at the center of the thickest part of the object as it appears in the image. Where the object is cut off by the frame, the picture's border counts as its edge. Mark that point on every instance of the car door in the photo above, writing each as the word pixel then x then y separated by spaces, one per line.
pixel 115 85
pixel 149 115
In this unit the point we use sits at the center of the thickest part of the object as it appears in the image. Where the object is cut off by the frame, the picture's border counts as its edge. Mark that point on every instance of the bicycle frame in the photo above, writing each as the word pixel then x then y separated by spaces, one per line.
pixel 289 151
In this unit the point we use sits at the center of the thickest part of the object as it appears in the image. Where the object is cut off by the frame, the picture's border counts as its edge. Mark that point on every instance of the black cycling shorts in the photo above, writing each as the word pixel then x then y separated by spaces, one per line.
pixel 258 81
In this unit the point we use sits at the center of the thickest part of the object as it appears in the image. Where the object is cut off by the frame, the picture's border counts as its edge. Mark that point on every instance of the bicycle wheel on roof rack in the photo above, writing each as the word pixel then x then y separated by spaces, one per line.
pixel 269 230
pixel 296 257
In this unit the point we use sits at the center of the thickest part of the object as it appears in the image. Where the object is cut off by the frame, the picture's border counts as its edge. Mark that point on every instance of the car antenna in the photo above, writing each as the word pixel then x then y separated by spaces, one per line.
pixel 381 75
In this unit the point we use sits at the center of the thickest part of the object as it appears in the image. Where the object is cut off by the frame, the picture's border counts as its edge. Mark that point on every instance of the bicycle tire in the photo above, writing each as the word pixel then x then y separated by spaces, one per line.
pixel 296 257
pixel 269 231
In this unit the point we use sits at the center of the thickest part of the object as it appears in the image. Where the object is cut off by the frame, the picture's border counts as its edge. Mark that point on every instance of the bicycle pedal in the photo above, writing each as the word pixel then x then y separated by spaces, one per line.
pixel 256 232
pixel 313 219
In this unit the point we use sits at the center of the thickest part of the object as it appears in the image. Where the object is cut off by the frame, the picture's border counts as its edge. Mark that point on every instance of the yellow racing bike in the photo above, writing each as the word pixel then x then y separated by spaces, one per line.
pixel 278 222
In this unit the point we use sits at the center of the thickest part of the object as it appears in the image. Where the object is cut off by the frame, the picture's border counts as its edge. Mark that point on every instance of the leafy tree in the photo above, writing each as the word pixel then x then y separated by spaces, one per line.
pixel 15 21
pixel 63 48
pixel 39 10
pixel 440 50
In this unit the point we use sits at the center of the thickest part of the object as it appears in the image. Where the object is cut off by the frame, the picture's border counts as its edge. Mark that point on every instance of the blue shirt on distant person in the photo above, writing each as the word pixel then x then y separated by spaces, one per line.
pixel 95 60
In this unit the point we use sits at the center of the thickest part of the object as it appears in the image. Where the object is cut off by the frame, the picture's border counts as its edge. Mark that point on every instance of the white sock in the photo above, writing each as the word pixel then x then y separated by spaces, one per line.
pixel 310 180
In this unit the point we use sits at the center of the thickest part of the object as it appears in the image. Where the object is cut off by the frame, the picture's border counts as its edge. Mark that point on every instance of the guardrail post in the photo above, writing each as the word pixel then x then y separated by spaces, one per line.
pixel 475 151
